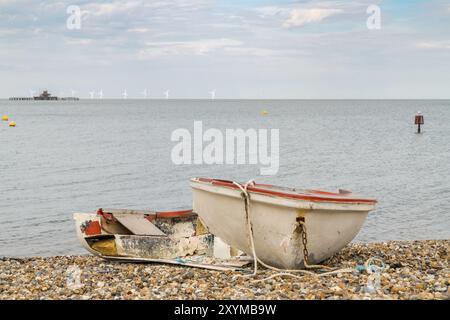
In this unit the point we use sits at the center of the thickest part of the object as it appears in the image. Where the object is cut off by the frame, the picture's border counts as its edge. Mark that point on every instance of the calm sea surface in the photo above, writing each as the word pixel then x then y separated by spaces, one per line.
pixel 65 157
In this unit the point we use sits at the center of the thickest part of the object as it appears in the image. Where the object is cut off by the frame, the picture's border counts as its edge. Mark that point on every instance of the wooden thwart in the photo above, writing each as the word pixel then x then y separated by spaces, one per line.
pixel 138 224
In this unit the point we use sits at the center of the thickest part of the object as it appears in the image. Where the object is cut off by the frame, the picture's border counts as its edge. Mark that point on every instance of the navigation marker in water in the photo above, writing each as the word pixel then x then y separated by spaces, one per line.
pixel 418 120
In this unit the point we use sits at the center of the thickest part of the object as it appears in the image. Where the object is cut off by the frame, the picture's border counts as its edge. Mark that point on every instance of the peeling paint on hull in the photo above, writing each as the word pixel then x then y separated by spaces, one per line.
pixel 176 236
pixel 163 247
pixel 186 241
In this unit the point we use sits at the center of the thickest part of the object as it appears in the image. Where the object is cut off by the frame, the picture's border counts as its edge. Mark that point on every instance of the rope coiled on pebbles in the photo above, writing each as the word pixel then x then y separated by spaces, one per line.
pixel 256 260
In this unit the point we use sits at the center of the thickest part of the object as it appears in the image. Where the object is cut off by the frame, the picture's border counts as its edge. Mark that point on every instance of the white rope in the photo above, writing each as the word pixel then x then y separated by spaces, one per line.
pixel 280 274
pixel 249 225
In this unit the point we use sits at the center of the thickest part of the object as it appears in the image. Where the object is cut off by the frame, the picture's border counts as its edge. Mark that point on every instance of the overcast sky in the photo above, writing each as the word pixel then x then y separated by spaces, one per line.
pixel 242 49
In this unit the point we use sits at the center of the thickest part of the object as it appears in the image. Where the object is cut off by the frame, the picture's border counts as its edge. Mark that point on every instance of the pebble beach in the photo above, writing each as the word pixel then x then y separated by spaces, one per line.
pixel 413 270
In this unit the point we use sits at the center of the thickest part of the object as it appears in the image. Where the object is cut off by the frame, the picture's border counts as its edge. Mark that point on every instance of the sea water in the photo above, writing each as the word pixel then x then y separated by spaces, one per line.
pixel 66 157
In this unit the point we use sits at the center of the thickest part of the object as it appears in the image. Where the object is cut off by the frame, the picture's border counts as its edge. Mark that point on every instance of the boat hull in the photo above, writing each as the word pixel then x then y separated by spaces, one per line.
pixel 181 238
pixel 276 224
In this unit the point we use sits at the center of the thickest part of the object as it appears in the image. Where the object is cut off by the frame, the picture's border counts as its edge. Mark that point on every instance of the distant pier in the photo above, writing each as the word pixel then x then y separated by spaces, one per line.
pixel 44 96
pixel 21 98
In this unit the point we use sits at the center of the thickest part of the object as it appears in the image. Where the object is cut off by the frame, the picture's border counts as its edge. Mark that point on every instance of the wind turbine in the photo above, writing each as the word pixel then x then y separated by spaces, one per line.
pixel 100 94
pixel 92 94
pixel 213 94
pixel 145 93
pixel 125 94
pixel 166 93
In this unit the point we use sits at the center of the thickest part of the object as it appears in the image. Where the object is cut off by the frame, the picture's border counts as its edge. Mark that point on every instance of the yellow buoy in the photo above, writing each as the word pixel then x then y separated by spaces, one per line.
pixel 264 113
pixel 5 118
pixel 12 124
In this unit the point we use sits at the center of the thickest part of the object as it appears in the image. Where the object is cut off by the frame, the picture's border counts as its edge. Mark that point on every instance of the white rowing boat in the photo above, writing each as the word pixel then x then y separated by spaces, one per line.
pixel 278 217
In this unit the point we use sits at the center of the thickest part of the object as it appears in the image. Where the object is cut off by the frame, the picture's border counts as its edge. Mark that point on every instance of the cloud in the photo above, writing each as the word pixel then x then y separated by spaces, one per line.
pixel 434 44
pixel 113 8
pixel 125 6
pixel 260 52
pixel 198 47
pixel 299 17
pixel 78 41
pixel 7 32
pixel 7 2
pixel 139 30
pixel 271 11
pixel 187 4
pixel 203 47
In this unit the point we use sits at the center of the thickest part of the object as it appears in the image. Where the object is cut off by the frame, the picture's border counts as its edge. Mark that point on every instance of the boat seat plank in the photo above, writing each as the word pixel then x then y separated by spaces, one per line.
pixel 138 224
pixel 128 211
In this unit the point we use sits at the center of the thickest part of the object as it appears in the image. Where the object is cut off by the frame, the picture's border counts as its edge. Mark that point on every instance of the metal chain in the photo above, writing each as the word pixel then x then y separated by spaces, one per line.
pixel 305 243
pixel 305 250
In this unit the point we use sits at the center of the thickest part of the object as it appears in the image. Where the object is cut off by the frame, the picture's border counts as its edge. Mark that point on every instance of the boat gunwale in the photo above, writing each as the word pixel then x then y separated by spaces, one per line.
pixel 266 192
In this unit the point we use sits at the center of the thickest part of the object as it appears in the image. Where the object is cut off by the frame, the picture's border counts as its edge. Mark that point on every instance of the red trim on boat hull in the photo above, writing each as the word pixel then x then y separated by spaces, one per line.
pixel 259 188
pixel 173 214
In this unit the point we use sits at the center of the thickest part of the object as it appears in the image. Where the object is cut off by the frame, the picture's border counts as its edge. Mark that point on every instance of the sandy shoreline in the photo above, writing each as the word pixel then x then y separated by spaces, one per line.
pixel 417 270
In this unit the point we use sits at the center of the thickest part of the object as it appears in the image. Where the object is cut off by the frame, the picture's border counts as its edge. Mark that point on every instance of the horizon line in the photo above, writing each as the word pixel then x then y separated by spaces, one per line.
pixel 225 99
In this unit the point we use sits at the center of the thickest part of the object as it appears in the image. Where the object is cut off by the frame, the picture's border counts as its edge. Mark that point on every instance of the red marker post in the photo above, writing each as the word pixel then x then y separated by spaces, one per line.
pixel 418 120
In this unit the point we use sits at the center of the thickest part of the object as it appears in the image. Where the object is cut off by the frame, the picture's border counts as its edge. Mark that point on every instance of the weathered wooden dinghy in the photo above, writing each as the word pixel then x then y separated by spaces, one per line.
pixel 176 237
pixel 279 217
